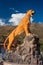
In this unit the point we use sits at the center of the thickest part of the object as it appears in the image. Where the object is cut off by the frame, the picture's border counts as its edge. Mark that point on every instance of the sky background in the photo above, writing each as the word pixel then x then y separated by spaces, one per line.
pixel 12 11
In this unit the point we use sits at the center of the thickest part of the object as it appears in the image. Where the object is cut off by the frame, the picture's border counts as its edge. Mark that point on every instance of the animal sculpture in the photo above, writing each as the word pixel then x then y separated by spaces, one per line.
pixel 23 26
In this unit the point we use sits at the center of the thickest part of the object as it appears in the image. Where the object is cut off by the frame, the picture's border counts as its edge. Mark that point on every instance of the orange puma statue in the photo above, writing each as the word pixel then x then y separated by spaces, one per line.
pixel 23 26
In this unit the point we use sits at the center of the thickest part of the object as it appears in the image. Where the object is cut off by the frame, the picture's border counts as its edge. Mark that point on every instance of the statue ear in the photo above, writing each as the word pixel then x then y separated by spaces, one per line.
pixel 28 10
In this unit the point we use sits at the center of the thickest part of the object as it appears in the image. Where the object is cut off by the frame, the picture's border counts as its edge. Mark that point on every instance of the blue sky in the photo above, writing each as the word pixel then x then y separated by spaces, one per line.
pixel 10 8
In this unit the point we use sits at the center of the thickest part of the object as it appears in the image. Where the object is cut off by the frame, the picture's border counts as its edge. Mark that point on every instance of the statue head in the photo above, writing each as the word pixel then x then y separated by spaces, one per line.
pixel 30 12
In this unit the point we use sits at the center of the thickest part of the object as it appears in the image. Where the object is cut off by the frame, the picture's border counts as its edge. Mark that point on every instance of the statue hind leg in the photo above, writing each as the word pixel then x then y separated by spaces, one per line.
pixel 12 36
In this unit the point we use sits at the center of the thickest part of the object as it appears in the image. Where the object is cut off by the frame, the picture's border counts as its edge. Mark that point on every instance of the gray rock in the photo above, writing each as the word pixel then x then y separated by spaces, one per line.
pixel 1 61
pixel 28 52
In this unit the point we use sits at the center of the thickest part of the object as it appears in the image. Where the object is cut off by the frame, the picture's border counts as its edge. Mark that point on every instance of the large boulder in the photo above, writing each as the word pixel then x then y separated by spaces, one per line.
pixel 28 52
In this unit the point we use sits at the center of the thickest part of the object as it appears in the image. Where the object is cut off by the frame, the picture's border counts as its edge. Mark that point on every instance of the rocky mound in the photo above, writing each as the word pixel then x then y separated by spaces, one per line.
pixel 26 53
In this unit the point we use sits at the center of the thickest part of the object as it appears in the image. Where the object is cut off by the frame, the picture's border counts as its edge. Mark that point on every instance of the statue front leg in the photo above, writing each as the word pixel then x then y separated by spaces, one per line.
pixel 27 31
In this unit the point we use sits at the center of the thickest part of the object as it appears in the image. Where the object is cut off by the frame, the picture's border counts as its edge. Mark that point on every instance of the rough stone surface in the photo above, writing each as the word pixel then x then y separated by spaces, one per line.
pixel 27 53
pixel 1 61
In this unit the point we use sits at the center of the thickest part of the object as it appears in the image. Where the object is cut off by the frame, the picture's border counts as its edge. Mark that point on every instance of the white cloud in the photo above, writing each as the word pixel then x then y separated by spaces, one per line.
pixel 2 22
pixel 31 19
pixel 11 8
pixel 14 9
pixel 40 22
pixel 16 18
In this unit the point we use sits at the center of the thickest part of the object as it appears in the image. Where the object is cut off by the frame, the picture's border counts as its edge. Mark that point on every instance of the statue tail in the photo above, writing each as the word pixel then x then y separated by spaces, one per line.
pixel 5 43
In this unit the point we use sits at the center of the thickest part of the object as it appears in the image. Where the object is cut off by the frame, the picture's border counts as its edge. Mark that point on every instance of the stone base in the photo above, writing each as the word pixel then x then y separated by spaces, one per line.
pixel 1 61
pixel 27 53
pixel 8 63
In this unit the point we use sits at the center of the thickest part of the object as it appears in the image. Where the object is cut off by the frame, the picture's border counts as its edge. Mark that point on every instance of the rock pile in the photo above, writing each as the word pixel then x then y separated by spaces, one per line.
pixel 28 52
